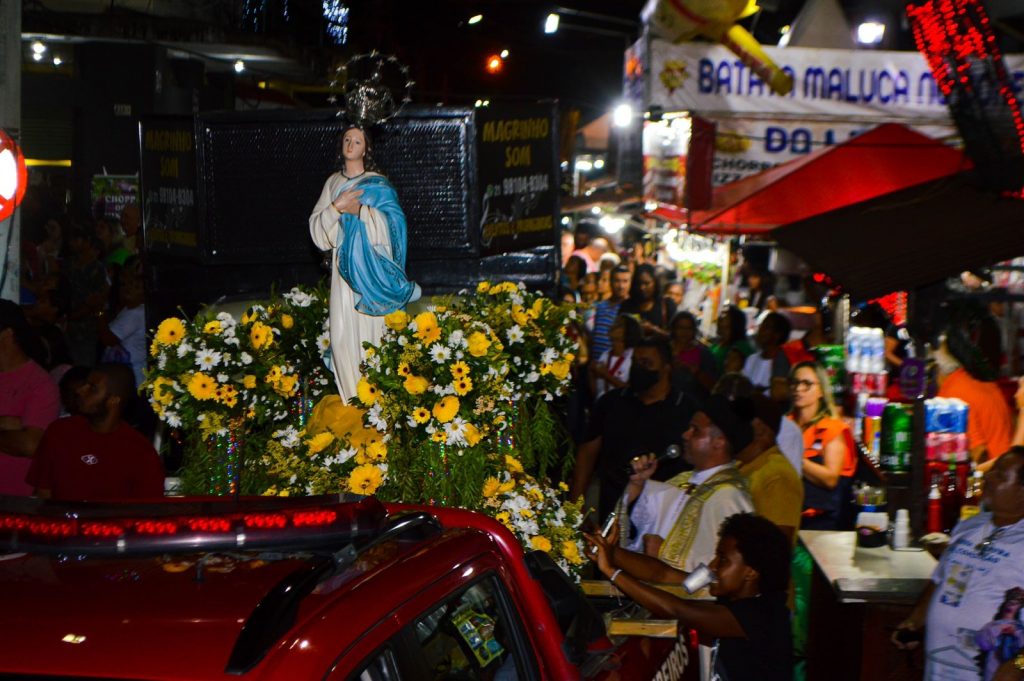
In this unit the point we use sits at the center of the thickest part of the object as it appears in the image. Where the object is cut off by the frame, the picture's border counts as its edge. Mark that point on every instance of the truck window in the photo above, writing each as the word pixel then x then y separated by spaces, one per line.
pixel 471 636
pixel 380 668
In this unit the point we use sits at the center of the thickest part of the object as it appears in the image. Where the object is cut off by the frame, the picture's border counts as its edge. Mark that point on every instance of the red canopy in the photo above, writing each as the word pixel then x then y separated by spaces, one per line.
pixel 885 159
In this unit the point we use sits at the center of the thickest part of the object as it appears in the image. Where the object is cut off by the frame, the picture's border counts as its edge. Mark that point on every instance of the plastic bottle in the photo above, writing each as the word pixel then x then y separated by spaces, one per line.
pixel 952 495
pixel 972 495
pixel 934 507
pixel 901 530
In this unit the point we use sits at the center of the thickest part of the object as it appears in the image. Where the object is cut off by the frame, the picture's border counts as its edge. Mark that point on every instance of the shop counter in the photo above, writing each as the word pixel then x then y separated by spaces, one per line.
pixel 857 597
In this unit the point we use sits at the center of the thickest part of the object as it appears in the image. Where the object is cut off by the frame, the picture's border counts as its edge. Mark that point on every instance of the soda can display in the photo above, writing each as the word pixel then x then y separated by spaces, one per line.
pixel 958 416
pixel 872 434
pixel 896 437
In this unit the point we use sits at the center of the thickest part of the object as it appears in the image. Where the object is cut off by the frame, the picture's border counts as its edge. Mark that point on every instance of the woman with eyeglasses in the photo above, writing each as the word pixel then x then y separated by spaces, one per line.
pixel 829 456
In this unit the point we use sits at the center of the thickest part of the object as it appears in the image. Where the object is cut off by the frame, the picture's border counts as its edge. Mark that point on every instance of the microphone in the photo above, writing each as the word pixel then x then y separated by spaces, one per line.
pixel 671 452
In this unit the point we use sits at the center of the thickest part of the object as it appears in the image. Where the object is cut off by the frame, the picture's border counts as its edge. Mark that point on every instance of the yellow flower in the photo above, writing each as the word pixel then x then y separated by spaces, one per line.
pixel 537 308
pixel 535 495
pixel 513 464
pixel 343 420
pixel 286 321
pixel 526 512
pixel 365 479
pixel 284 493
pixel 504 518
pixel 202 387
pixel 560 369
pixel 437 436
pixel 540 543
pixel 249 381
pixel 462 385
pixel 482 287
pixel 564 487
pixel 397 320
pixel 377 451
pixel 261 336
pixel 478 344
pixel 420 415
pixel 519 315
pixel 170 331
pixel 507 487
pixel 320 442
pixel 162 393
pixel 288 385
pixel 571 552
pixel 416 385
pixel 154 348
pixel 491 486
pixel 446 409
pixel 212 327
pixel 472 435
pixel 248 315
pixel 459 370
pixel 273 375
pixel 366 392
pixel 426 328
pixel 404 369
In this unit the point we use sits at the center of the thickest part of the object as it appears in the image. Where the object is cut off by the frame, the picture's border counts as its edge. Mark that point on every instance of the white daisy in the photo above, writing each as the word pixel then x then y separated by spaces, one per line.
pixel 246 358
pixel 457 339
pixel 549 356
pixel 172 419
pixel 222 378
pixel 161 361
pixel 440 353
pixel 532 377
pixel 298 298
pixel 207 359
pixel 515 335
pixel 183 349
pixel 323 341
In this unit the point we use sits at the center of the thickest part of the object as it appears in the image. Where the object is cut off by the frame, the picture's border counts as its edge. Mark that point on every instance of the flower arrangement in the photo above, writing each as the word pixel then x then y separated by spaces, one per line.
pixel 536 514
pixel 457 385
pixel 242 383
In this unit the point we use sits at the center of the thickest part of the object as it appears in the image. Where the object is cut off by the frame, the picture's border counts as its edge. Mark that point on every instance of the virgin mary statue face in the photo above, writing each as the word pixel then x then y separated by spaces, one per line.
pixel 353 145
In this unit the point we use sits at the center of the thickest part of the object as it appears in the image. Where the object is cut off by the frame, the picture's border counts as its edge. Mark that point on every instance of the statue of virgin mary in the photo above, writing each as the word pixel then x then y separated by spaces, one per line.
pixel 359 220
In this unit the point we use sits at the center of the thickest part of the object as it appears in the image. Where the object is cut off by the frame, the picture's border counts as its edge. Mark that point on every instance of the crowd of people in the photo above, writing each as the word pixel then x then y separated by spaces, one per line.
pixel 72 356
pixel 754 411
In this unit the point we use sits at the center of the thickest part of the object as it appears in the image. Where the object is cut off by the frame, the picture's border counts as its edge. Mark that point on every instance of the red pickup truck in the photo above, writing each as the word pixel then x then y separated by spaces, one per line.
pixel 323 588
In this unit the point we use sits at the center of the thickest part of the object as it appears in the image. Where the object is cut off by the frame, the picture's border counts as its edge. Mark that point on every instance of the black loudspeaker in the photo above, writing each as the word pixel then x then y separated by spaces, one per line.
pixel 261 173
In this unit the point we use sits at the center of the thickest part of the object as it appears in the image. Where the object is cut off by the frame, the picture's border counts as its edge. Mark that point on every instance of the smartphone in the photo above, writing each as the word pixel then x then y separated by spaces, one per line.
pixel 589 522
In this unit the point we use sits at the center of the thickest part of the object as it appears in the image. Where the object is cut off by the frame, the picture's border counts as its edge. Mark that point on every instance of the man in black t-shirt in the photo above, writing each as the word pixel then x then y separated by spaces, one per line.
pixel 643 418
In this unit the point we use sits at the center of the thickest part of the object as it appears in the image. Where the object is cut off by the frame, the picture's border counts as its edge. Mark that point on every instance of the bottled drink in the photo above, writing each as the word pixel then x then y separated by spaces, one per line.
pixel 972 495
pixel 896 432
pixel 952 497
pixel 934 507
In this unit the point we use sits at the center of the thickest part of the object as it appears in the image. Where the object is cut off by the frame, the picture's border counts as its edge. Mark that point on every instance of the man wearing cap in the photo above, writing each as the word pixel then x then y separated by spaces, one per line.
pixel 677 521
pixel 29 400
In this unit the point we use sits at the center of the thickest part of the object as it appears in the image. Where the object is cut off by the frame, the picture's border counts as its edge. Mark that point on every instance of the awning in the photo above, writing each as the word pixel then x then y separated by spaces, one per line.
pixel 888 158
pixel 910 238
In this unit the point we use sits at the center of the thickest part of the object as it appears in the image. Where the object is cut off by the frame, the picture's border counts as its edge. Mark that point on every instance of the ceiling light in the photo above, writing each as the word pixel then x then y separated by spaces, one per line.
pixel 504 54
pixel 38 47
pixel 37 56
pixel 598 164
pixel 870 33
pixel 239 66
pixel 57 61
pixel 566 220
pixel 623 115
pixel 475 19
pixel 551 23
pixel 584 166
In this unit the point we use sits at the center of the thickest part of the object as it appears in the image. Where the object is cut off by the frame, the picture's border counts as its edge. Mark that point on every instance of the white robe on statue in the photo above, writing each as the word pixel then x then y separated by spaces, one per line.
pixel 349 327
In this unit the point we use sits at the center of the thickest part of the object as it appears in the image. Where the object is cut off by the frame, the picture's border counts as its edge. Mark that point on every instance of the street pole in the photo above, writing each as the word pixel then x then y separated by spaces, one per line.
pixel 10 120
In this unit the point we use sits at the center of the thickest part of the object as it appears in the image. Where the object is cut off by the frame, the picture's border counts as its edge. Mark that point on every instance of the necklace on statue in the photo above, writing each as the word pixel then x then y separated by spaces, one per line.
pixel 352 177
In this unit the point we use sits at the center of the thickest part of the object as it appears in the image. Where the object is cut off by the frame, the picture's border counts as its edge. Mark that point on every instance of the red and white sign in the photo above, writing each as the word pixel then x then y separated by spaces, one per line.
pixel 13 177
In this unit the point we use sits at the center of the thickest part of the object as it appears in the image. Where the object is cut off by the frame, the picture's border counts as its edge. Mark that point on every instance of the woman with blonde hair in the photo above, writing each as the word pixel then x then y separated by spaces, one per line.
pixel 830 459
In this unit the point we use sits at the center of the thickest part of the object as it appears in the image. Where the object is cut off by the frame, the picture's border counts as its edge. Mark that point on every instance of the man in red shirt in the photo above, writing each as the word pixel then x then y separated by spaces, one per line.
pixel 96 455
pixel 29 400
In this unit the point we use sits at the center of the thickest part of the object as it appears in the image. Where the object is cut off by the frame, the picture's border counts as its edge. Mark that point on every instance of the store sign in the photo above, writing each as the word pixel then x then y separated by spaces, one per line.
pixel 111 193
pixel 168 186
pixel 852 85
pixel 518 176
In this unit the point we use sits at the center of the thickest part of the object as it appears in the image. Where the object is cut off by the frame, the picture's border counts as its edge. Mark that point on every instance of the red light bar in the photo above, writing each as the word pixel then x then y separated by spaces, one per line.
pixel 209 524
pixel 13 522
pixel 313 518
pixel 101 529
pixel 53 528
pixel 265 521
pixel 156 527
